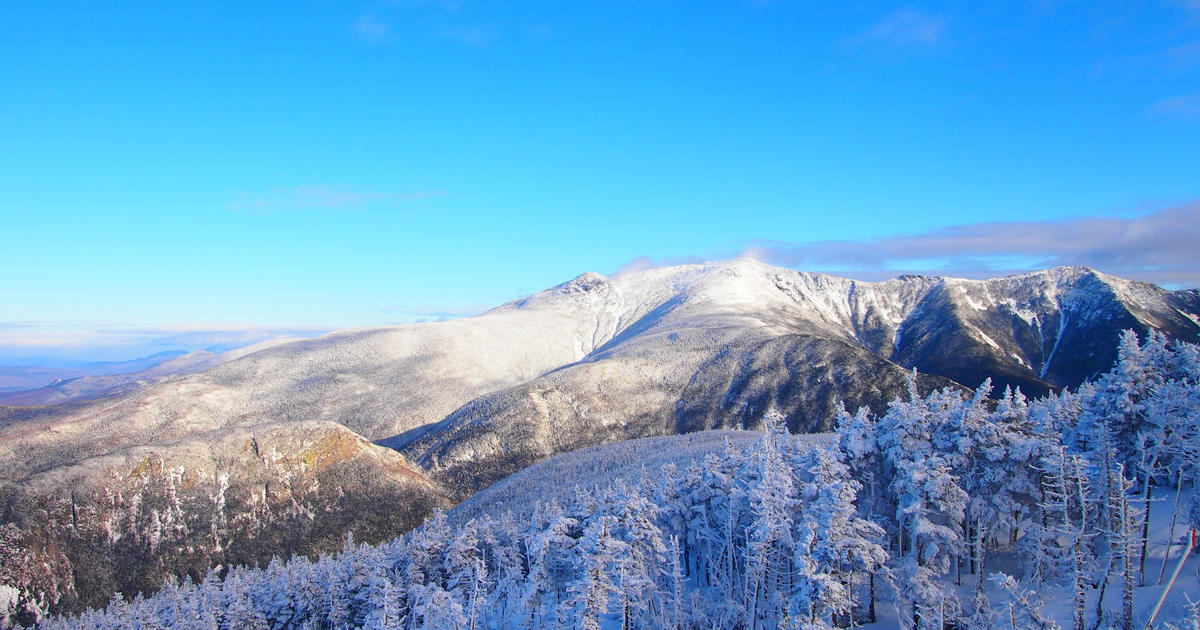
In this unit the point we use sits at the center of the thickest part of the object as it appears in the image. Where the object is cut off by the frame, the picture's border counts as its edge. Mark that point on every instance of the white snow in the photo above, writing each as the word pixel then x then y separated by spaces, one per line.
pixel 982 335
pixel 1195 319
pixel 1062 327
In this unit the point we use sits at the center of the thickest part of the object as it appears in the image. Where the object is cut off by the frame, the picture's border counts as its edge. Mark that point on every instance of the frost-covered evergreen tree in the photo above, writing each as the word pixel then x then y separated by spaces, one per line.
pixel 833 542
pixel 241 612
pixel 604 559
pixel 1124 522
pixel 674 615
pixel 1065 508
pixel 645 563
pixel 464 577
pixel 435 608
pixel 551 554
pixel 771 543
pixel 504 597
pixel 857 439
pixel 930 505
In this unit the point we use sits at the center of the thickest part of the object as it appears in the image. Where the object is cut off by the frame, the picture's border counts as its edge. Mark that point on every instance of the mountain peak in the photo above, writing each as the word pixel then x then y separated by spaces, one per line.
pixel 587 281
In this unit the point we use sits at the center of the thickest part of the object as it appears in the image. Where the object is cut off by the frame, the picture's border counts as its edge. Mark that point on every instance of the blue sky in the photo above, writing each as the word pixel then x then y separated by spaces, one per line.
pixel 235 171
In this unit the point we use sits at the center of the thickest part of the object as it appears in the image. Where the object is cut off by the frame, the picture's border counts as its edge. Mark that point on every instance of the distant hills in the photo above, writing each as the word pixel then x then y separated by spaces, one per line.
pixel 32 373
pixel 101 379
pixel 367 430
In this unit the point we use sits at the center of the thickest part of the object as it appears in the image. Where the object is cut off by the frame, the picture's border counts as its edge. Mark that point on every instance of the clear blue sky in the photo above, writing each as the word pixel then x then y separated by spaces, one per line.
pixel 328 164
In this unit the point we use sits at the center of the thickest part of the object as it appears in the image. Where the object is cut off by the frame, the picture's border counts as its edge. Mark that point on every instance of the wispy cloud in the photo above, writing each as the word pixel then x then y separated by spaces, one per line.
pixel 1185 55
pixel 371 29
pixel 317 197
pixel 1189 5
pixel 642 263
pixel 109 341
pixel 219 337
pixel 1159 247
pixel 1185 105
pixel 906 29
pixel 411 313
pixel 471 35
pixel 447 20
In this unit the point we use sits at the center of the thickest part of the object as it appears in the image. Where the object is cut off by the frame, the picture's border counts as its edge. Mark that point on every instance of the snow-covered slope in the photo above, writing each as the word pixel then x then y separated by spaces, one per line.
pixel 597 468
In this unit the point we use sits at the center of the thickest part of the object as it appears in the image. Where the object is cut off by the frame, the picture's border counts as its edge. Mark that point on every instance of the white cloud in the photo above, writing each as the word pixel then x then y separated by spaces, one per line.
pixel 642 263
pixel 410 313
pixel 467 34
pixel 371 29
pixel 320 197
pixel 109 341
pixel 1185 55
pixel 1159 247
pixel 1185 105
pixel 904 29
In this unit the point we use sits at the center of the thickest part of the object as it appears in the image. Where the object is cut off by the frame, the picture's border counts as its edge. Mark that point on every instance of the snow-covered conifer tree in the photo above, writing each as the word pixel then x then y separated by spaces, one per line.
pixel 673 615
pixel 930 506
pixel 833 542
pixel 504 599
pixel 1124 521
pixel 603 557
pixel 435 608
pixel 1065 506
pixel 551 553
pixel 644 568
pixel 771 540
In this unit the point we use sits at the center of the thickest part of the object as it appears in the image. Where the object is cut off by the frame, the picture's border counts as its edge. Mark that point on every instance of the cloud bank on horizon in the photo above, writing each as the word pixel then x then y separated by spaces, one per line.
pixel 54 344
pixel 1162 247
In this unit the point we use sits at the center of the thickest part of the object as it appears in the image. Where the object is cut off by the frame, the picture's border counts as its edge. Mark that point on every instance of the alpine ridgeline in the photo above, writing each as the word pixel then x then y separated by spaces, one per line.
pixel 270 451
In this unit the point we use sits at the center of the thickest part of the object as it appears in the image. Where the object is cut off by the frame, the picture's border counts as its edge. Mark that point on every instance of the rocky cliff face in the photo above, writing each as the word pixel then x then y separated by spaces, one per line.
pixel 127 520
pixel 115 493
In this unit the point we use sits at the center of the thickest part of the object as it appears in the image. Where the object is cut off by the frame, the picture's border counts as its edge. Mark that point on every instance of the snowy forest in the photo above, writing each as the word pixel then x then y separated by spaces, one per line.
pixel 954 509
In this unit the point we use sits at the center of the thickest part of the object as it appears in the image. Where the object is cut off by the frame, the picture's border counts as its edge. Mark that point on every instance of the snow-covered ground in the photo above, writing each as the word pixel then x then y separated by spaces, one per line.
pixel 599 467
pixel 1054 600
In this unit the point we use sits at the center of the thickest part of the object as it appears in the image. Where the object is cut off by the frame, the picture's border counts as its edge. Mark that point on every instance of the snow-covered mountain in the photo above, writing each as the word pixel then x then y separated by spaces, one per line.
pixel 467 402
pixel 709 346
